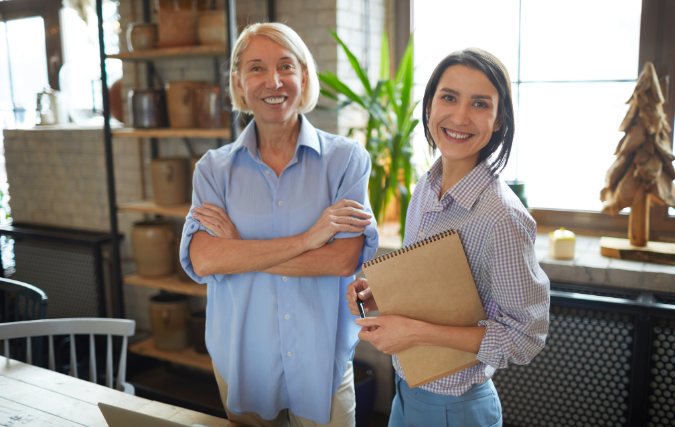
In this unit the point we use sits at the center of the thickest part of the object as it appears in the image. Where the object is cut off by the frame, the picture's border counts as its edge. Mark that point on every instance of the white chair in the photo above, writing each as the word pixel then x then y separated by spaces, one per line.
pixel 72 327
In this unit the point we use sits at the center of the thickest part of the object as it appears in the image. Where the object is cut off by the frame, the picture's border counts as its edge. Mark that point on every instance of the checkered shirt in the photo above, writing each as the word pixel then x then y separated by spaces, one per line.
pixel 498 236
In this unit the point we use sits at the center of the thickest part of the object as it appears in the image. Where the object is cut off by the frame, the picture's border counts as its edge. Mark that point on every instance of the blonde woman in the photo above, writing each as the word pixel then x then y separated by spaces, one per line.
pixel 280 221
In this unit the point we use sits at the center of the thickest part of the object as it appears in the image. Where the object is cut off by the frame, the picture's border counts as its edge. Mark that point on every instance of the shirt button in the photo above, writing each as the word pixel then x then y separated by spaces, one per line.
pixel 284 278
pixel 287 317
pixel 289 354
pixel 281 203
pixel 267 171
pixel 421 233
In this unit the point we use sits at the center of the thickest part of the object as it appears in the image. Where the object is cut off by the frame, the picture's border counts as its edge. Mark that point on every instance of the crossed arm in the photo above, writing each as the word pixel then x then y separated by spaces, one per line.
pixel 303 255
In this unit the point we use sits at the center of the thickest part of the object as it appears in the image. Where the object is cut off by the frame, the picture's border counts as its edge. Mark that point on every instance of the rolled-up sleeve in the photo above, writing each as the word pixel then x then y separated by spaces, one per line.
pixel 354 186
pixel 205 190
pixel 518 313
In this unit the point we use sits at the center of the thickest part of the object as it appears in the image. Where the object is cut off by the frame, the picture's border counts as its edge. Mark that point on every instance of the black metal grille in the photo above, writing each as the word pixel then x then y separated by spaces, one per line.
pixel 581 377
pixel 661 406
pixel 665 298
pixel 64 272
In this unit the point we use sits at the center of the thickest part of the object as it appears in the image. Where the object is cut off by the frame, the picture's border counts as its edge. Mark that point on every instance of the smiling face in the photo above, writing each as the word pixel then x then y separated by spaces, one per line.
pixel 463 115
pixel 271 81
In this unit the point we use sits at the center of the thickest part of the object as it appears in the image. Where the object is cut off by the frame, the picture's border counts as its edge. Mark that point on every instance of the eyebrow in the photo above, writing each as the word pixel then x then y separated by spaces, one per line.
pixel 260 60
pixel 454 92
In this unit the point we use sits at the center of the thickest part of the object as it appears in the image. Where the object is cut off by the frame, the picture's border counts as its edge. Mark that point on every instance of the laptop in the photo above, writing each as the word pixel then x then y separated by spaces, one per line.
pixel 120 417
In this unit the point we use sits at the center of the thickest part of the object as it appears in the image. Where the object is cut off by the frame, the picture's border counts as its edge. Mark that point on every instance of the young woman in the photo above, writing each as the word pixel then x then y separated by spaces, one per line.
pixel 280 221
pixel 469 118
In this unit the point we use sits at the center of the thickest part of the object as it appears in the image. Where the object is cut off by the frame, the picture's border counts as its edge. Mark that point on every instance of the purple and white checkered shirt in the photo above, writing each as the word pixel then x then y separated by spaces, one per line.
pixel 498 236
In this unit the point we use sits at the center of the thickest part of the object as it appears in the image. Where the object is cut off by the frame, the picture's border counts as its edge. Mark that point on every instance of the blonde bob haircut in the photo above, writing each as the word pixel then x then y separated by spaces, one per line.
pixel 289 39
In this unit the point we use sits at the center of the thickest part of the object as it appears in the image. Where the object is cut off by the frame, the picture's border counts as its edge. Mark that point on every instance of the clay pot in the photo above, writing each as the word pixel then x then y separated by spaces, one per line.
pixel 116 106
pixel 147 108
pixel 212 27
pixel 196 325
pixel 177 22
pixel 181 102
pixel 208 108
pixel 169 179
pixel 141 36
pixel 167 319
pixel 152 243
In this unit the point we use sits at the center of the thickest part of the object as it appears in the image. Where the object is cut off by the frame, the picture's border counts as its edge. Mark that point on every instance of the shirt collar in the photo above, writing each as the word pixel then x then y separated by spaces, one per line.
pixel 466 191
pixel 307 137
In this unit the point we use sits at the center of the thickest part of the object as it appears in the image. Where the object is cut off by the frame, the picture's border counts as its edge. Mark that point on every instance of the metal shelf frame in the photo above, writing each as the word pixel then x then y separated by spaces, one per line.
pixel 117 279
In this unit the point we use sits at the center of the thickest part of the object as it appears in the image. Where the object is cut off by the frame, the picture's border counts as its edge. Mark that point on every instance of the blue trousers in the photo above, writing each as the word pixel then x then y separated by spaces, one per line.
pixel 414 407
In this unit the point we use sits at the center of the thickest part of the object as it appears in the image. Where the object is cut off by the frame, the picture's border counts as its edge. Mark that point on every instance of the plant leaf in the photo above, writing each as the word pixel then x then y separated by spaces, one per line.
pixel 385 71
pixel 355 63
pixel 334 83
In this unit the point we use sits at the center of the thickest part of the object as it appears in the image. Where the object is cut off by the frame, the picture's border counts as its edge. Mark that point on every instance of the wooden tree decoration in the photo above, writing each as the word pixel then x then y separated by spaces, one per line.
pixel 643 169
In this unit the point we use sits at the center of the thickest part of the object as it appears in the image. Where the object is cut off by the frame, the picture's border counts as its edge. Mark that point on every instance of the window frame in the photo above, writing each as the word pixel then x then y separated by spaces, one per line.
pixel 657 44
pixel 49 11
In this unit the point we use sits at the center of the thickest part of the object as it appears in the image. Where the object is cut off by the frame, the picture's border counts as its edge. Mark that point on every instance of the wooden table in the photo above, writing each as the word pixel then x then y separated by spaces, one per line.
pixel 32 396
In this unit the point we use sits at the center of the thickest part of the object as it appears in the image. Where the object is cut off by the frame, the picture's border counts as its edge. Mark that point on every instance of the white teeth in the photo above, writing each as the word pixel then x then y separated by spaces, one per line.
pixel 278 100
pixel 456 135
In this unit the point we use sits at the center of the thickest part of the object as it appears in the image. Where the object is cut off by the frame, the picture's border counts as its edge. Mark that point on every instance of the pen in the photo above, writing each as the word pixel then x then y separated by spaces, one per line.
pixel 359 303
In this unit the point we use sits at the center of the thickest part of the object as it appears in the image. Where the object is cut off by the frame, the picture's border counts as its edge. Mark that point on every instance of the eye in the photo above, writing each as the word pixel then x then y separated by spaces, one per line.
pixel 480 104
pixel 255 68
pixel 287 67
pixel 449 98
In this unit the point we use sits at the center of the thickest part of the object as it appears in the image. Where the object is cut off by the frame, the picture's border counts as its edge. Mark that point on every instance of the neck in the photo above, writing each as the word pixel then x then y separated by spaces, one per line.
pixel 278 136
pixel 454 171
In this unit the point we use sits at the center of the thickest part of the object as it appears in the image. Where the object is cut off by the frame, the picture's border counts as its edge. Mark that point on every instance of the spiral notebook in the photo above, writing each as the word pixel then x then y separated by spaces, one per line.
pixel 429 281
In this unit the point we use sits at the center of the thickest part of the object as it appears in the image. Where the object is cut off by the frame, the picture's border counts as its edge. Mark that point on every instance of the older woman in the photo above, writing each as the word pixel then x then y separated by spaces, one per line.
pixel 279 223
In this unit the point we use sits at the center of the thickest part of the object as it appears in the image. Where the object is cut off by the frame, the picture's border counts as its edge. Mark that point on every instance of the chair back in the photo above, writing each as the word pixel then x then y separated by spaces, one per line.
pixel 82 326
pixel 20 301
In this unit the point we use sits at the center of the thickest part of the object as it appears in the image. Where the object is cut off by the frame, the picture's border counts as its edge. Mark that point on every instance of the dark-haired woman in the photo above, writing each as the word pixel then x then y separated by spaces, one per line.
pixel 469 119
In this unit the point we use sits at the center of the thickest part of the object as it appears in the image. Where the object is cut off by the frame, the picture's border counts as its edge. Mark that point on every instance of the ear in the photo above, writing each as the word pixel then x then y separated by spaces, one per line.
pixel 498 123
pixel 239 88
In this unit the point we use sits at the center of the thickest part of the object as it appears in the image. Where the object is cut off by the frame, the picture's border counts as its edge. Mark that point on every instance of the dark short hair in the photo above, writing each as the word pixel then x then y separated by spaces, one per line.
pixel 488 64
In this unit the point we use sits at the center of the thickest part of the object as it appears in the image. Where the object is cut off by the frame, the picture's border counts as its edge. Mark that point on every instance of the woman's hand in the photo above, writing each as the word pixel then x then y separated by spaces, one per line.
pixel 216 220
pixel 360 286
pixel 390 334
pixel 334 219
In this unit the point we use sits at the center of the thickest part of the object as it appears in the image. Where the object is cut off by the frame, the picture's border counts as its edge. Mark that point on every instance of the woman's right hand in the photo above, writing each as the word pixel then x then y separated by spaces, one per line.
pixel 360 287
pixel 334 219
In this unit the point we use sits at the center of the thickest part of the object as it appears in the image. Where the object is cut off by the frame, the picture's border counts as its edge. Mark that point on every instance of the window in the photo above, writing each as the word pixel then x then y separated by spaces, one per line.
pixel 573 65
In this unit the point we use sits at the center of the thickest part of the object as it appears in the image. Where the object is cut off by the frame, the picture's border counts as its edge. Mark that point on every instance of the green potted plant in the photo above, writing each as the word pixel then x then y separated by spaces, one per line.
pixel 388 132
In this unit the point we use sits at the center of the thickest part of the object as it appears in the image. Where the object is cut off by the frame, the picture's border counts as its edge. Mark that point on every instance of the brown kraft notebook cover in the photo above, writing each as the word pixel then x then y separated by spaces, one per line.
pixel 429 281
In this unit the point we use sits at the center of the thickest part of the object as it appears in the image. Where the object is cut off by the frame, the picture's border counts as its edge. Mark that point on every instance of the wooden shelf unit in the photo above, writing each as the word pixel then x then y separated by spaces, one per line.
pixel 187 356
pixel 168 283
pixel 148 206
pixel 171 133
pixel 172 53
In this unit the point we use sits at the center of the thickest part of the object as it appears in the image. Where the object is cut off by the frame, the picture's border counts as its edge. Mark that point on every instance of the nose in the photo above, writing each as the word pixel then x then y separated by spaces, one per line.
pixel 460 116
pixel 272 82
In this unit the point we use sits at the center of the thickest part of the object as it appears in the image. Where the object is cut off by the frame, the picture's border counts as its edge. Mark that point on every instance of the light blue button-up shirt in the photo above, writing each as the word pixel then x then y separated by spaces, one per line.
pixel 280 342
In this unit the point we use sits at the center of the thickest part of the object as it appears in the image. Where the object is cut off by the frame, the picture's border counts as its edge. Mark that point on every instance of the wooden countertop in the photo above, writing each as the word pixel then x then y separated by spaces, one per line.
pixel 36 396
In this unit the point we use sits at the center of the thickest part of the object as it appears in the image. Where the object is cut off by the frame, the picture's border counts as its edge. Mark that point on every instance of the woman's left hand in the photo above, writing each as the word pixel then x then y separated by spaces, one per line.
pixel 389 334
pixel 215 219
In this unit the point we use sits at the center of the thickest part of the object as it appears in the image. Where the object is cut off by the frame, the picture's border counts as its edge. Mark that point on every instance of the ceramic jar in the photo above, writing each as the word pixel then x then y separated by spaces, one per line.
pixel 211 27
pixel 177 22
pixel 181 102
pixel 153 246
pixel 208 108
pixel 147 108
pixel 196 324
pixel 167 319
pixel 169 181
pixel 141 36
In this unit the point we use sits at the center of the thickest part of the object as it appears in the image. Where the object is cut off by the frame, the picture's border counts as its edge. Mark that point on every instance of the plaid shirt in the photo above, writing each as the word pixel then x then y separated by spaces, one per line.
pixel 498 236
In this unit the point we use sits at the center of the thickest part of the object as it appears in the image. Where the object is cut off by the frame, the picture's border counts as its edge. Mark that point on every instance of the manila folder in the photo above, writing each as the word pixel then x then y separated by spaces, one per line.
pixel 429 281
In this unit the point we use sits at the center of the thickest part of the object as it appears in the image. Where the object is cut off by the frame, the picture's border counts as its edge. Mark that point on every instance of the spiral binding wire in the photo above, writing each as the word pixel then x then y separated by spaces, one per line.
pixel 408 248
